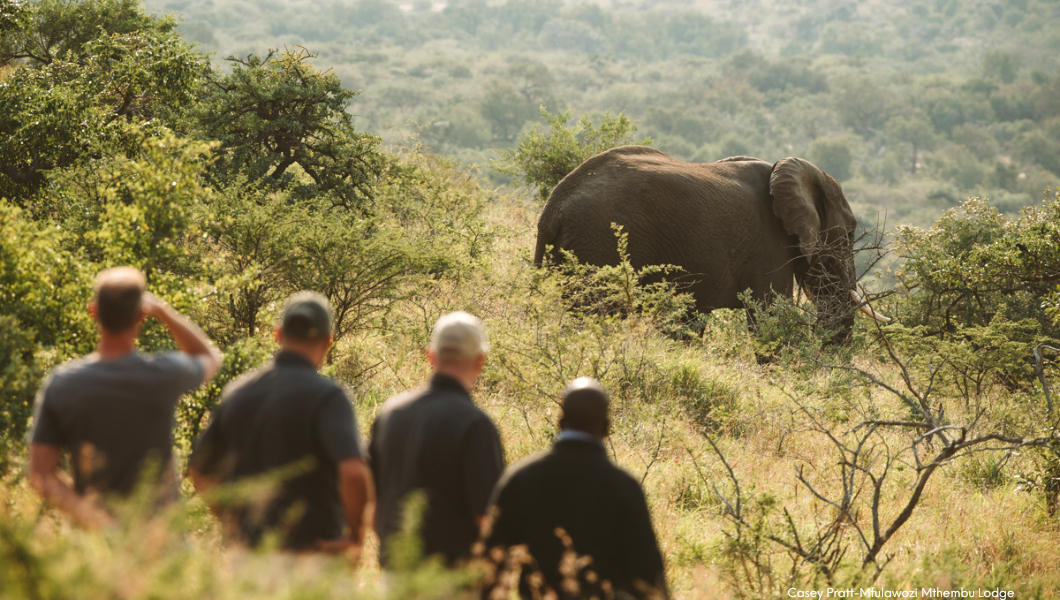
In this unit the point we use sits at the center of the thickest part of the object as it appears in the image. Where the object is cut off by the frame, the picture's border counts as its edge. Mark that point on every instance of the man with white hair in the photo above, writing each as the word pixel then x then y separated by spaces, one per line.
pixel 435 441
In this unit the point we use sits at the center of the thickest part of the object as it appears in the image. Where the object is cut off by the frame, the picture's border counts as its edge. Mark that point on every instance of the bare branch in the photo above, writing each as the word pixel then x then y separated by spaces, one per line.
pixel 1039 369
pixel 732 476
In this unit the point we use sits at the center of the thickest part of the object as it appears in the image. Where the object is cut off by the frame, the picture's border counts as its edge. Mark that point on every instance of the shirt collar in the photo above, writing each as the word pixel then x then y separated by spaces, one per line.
pixel 442 381
pixel 573 435
pixel 288 358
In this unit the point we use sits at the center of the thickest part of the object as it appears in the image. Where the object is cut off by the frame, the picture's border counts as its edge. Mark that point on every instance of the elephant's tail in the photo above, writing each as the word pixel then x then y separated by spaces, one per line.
pixel 548 228
pixel 547 231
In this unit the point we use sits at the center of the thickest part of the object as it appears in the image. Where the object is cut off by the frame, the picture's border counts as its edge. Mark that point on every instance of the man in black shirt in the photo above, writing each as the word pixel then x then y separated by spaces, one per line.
pixel 113 410
pixel 288 422
pixel 436 441
pixel 576 491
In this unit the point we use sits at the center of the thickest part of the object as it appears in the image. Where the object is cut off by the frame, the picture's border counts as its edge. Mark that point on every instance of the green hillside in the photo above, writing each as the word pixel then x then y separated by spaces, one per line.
pixel 912 105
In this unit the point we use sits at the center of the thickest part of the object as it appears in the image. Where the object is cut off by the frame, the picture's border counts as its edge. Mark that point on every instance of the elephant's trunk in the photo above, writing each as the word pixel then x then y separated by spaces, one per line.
pixel 865 308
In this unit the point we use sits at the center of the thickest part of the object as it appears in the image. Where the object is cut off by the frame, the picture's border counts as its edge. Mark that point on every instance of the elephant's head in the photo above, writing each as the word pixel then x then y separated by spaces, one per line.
pixel 813 208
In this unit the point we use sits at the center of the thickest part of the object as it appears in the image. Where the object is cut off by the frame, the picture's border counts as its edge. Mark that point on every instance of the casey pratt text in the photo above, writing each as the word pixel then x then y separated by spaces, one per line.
pixel 872 592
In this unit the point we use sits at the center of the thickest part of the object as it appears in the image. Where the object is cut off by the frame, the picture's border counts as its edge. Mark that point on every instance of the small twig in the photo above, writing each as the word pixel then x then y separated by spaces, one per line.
pixel 1039 369
pixel 732 476
pixel 654 459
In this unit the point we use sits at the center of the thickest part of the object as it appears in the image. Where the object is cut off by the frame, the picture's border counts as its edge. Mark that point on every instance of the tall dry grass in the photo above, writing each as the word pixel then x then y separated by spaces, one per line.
pixel 974 527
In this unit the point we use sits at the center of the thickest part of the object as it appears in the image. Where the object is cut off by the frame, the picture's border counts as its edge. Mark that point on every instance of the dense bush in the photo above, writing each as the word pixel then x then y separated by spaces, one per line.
pixel 289 197
pixel 975 265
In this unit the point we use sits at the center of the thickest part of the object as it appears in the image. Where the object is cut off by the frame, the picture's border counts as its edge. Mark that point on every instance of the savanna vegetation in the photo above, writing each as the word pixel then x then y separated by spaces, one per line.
pixel 925 454
pixel 912 105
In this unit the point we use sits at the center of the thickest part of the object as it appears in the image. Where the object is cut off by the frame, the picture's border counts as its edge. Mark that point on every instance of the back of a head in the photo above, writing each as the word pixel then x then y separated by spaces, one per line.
pixel 118 294
pixel 307 318
pixel 585 407
pixel 458 337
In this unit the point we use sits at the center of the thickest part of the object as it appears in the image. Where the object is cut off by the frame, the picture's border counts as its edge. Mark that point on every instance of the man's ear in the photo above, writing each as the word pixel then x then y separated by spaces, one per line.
pixel 607 426
pixel 432 358
pixel 480 362
pixel 93 310
pixel 277 334
pixel 562 423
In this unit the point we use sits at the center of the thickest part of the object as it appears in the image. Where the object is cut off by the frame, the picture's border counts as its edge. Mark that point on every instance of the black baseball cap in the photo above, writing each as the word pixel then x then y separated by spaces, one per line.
pixel 307 316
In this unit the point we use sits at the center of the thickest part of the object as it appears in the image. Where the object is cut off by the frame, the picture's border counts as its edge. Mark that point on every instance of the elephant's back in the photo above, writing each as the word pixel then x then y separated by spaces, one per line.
pixel 656 196
pixel 641 174
pixel 711 219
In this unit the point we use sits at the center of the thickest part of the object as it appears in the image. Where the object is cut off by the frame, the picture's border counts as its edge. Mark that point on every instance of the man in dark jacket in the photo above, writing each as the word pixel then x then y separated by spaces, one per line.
pixel 574 501
pixel 287 422
pixel 434 441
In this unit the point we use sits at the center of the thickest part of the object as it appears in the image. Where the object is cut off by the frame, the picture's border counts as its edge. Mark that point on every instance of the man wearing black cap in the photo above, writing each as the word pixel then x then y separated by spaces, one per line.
pixel 573 499
pixel 288 422
pixel 435 441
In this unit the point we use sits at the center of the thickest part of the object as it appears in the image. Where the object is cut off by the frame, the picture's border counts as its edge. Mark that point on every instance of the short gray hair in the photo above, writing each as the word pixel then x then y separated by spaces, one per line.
pixel 459 336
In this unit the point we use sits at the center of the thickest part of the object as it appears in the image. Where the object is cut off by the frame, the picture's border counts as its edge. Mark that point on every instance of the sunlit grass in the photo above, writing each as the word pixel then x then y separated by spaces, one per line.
pixel 973 527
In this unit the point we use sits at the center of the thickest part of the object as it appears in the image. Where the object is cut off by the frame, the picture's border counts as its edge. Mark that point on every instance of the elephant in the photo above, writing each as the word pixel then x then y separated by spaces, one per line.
pixel 732 225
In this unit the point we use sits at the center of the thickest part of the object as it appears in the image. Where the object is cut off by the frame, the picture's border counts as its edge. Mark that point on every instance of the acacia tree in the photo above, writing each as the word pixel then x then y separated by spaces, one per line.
pixel 277 112
pixel 43 31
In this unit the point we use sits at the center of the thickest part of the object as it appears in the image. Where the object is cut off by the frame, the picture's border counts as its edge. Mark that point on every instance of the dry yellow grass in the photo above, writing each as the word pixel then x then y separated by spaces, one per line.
pixel 961 535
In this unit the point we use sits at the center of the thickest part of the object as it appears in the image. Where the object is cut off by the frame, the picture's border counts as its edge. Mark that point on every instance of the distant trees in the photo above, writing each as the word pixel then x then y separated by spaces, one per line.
pixel 915 130
pixel 862 105
pixel 918 117
pixel 1001 66
pixel 509 103
pixel 833 156
pixel 766 75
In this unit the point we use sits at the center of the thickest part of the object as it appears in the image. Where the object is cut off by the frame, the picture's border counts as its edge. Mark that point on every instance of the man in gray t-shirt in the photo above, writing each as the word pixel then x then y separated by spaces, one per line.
pixel 113 410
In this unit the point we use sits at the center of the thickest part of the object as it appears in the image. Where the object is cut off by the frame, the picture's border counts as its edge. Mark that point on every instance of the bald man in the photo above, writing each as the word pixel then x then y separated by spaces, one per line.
pixel 576 491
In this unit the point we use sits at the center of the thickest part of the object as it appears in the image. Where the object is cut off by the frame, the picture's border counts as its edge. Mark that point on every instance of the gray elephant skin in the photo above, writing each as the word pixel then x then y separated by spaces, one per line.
pixel 732 225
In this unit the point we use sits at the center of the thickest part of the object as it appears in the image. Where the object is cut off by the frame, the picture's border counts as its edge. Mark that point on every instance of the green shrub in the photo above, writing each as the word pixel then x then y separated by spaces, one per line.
pixel 20 375
pixel 974 265
pixel 43 292
pixel 785 329
pixel 707 401
pixel 980 357
pixel 542 158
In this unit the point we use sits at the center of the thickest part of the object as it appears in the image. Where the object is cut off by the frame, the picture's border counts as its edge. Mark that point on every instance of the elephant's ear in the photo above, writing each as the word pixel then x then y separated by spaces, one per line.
pixel 799 193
